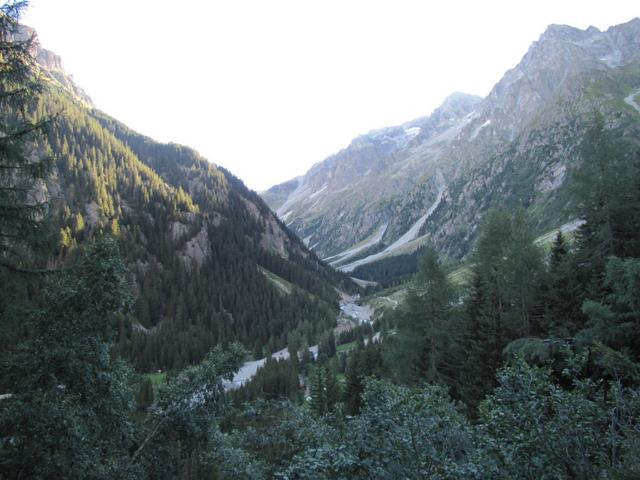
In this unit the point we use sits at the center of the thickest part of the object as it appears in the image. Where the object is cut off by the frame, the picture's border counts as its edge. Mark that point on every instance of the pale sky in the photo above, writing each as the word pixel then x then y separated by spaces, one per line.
pixel 267 88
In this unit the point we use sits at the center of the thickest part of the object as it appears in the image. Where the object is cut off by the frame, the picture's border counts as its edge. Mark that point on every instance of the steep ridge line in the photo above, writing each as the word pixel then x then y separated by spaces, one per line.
pixel 291 198
pixel 344 255
pixel 568 227
pixel 410 235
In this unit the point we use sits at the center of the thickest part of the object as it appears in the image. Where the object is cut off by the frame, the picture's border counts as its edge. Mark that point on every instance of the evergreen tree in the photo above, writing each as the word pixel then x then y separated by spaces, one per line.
pixel 144 398
pixel 354 383
pixel 615 321
pixel 326 347
pixel 559 250
pixel 22 167
pixel 277 379
pixel 560 294
pixel 333 389
pixel 609 201
pixel 293 347
pixel 318 391
pixel 506 276
pixel 475 379
pixel 306 358
pixel 422 349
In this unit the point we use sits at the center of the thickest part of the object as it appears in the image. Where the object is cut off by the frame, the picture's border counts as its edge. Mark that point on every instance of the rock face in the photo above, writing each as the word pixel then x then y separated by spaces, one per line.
pixel 196 244
pixel 516 147
pixel 380 178
pixel 51 65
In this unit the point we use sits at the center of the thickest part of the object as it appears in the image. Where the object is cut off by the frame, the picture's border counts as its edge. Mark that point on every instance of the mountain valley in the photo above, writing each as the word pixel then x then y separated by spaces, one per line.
pixel 455 297
pixel 433 179
pixel 203 250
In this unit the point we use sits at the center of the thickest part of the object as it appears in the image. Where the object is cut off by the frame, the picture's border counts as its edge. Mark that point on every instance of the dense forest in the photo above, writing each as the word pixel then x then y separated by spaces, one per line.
pixel 198 244
pixel 188 302
pixel 530 370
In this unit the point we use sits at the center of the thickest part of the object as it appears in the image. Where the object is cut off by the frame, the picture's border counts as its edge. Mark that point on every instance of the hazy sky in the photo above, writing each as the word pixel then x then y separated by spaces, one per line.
pixel 266 88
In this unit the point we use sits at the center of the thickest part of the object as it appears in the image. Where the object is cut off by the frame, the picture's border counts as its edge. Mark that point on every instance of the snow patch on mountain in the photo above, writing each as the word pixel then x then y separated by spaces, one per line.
pixel 292 198
pixel 412 132
pixel 613 59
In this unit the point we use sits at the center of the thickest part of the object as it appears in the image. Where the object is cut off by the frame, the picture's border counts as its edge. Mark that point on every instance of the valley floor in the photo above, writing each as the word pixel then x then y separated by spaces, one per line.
pixel 348 306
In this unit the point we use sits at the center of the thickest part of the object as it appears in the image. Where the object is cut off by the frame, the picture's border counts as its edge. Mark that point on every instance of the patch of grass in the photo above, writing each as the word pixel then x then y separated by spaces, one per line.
pixel 157 379
pixel 284 286
pixel 345 347
pixel 461 275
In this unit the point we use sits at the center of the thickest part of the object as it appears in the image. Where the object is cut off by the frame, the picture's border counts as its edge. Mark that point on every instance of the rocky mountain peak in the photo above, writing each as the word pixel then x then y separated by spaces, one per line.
pixel 372 194
pixel 51 65
pixel 453 108
pixel 459 101
pixel 556 32
pixel 550 65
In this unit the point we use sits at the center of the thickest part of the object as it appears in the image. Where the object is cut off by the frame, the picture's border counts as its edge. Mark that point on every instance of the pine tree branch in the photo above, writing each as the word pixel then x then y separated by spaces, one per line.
pixel 143 445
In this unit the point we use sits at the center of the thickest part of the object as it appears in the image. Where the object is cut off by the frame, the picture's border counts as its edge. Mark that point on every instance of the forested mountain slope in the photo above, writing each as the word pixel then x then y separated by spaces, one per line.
pixel 196 240
pixel 531 369
pixel 434 178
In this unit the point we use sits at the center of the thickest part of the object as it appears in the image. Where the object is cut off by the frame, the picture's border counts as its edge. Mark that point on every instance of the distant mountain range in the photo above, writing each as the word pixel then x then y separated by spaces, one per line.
pixel 380 199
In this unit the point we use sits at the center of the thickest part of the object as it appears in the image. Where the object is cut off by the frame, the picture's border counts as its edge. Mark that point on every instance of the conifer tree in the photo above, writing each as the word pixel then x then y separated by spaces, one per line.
pixel 318 392
pixel 561 296
pixel 423 345
pixel 305 358
pixel 354 383
pixel 333 390
pixel 609 202
pixel 327 346
pixel 559 250
pixel 144 398
pixel 482 356
pixel 22 167
pixel 506 275
pixel 293 347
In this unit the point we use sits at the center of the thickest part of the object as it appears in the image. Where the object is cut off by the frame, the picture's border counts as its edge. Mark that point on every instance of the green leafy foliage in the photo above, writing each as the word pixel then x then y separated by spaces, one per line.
pixel 534 429
pixel 273 433
pixel 67 412
pixel 548 387
pixel 400 433
pixel 183 421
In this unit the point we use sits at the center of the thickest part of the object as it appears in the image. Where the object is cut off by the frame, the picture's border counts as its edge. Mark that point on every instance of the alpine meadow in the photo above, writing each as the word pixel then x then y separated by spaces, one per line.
pixel 454 297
